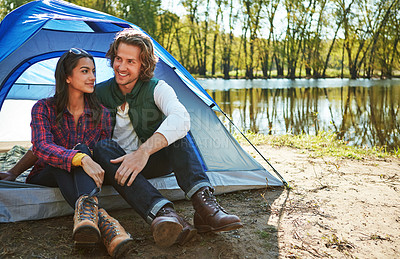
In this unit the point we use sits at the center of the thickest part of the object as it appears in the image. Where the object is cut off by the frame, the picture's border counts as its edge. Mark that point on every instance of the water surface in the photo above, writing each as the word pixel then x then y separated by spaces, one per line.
pixel 362 112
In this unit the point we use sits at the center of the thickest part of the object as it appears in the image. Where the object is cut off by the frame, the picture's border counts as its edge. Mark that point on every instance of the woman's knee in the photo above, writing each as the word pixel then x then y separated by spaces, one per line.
pixel 107 146
pixel 104 144
pixel 83 148
pixel 105 150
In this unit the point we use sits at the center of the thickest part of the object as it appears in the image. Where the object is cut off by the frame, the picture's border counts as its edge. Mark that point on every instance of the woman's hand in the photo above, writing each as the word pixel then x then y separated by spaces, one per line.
pixel 93 169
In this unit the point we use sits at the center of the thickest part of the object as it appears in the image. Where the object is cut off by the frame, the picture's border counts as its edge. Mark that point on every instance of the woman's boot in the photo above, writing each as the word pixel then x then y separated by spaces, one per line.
pixel 86 230
pixel 117 241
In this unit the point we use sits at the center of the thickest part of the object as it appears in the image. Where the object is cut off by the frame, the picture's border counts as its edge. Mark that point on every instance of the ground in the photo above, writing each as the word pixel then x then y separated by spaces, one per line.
pixel 334 208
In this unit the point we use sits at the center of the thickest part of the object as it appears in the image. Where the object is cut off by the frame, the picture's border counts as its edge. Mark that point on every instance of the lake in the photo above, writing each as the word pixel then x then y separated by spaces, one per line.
pixel 361 112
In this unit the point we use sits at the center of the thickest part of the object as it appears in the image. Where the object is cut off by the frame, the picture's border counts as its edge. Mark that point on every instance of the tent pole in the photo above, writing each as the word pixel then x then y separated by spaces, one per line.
pixel 266 160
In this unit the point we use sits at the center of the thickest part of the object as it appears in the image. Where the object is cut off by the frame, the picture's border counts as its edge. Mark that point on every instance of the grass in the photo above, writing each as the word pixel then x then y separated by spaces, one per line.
pixel 268 235
pixel 323 144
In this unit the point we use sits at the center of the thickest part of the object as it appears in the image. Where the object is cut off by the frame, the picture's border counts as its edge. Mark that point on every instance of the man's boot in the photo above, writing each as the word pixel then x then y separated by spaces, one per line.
pixel 86 230
pixel 209 215
pixel 117 241
pixel 169 228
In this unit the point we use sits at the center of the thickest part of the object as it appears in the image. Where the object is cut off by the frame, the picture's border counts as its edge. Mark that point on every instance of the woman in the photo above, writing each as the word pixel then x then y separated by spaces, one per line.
pixel 65 128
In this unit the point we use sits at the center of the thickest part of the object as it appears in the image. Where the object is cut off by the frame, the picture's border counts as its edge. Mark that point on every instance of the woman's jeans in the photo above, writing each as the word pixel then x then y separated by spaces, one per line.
pixel 72 184
pixel 145 199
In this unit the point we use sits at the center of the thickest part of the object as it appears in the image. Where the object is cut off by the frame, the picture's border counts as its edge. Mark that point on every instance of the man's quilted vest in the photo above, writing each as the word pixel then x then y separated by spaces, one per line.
pixel 143 112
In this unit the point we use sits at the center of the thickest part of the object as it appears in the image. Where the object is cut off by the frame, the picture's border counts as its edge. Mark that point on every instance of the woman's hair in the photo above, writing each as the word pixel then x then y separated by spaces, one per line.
pixel 67 62
pixel 136 38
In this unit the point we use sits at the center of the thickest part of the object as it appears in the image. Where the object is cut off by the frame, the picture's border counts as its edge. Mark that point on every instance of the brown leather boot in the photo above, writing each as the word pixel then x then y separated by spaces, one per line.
pixel 86 230
pixel 209 215
pixel 169 228
pixel 117 241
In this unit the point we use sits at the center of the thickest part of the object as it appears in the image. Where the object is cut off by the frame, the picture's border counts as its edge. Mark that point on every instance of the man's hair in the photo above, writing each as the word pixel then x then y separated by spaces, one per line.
pixel 136 38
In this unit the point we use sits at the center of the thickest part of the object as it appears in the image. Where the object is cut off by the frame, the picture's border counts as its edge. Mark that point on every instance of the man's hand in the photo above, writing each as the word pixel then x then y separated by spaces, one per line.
pixel 27 161
pixel 131 165
pixel 7 176
pixel 93 169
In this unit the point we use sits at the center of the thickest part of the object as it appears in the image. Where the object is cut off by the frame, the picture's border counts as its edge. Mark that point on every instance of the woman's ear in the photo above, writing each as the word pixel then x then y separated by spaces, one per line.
pixel 68 81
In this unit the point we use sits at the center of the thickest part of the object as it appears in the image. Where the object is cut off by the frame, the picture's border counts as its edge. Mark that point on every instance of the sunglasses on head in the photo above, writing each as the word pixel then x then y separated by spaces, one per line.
pixel 77 51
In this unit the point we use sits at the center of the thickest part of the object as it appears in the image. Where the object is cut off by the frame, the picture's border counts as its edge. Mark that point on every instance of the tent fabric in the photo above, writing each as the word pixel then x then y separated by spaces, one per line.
pixel 61 25
pixel 21 201
pixel 36 34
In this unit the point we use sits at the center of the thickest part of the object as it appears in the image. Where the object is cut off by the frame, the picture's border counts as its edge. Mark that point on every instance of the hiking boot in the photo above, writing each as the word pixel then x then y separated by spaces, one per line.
pixel 169 228
pixel 209 215
pixel 117 241
pixel 86 230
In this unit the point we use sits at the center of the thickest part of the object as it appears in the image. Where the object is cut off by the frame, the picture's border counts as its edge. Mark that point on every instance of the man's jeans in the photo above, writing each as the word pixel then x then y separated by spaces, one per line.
pixel 144 198
pixel 72 184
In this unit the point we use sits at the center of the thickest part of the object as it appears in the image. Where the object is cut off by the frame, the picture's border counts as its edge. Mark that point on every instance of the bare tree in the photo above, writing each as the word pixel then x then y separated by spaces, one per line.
pixel 253 12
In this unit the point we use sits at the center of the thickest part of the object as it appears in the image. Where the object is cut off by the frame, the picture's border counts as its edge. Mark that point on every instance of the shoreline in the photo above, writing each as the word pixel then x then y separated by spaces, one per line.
pixel 302 77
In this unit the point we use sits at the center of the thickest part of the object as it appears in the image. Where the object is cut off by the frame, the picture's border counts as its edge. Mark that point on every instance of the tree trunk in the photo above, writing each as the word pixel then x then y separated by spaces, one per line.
pixel 203 67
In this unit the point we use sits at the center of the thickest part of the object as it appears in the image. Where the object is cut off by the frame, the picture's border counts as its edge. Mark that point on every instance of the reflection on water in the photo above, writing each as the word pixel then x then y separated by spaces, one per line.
pixel 363 112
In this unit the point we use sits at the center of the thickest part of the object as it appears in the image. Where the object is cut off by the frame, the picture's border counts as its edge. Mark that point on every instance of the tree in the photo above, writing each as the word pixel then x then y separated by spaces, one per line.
pixel 271 41
pixel 253 12
pixel 216 33
pixel 203 63
pixel 227 40
pixel 341 15
pixel 192 6
pixel 380 29
pixel 143 13
pixel 7 6
pixel 298 17
pixel 168 27
pixel 365 25
pixel 314 57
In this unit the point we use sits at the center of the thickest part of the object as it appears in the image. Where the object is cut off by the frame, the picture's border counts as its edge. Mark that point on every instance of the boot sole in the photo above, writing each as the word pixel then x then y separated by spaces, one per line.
pixel 123 248
pixel 86 236
pixel 186 235
pixel 207 228
pixel 166 231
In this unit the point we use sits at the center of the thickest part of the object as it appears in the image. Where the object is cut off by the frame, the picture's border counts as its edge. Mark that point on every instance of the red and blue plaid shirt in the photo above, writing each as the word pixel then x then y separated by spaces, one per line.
pixel 53 144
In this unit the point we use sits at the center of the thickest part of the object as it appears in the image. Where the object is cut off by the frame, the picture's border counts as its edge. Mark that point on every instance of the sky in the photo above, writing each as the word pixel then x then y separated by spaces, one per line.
pixel 174 6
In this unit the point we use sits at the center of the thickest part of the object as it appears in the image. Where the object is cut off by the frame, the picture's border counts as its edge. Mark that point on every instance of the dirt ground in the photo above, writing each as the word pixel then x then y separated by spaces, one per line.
pixel 335 208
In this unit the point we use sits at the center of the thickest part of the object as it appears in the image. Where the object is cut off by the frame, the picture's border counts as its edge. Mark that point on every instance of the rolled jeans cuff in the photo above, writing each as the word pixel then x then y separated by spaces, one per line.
pixel 197 187
pixel 156 207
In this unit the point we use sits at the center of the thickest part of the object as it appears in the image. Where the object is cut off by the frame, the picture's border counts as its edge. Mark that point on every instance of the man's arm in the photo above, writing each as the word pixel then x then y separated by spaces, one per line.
pixel 26 162
pixel 132 164
pixel 175 126
pixel 177 122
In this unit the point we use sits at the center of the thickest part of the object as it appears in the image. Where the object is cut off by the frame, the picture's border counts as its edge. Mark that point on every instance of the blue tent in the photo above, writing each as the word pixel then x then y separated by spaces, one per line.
pixel 33 36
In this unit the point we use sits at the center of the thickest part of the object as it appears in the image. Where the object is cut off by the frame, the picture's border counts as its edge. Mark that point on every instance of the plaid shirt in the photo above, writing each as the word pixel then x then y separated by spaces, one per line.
pixel 53 145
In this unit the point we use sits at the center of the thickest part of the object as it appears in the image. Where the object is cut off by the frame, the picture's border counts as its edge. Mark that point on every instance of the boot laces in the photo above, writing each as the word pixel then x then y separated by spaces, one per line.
pixel 210 200
pixel 86 210
pixel 108 227
pixel 164 211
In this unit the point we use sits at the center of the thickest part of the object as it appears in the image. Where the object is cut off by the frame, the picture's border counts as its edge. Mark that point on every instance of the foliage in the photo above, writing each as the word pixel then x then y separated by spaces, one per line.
pixel 7 6
pixel 268 38
pixel 140 12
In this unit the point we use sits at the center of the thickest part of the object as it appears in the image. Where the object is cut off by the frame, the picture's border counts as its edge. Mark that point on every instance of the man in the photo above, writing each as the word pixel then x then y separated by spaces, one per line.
pixel 149 140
